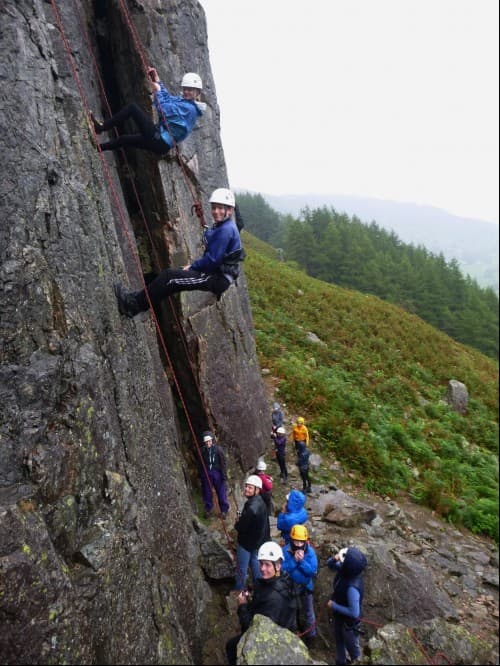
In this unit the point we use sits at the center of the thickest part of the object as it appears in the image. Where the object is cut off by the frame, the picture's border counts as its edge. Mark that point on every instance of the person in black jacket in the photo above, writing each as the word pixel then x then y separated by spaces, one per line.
pixel 273 596
pixel 213 475
pixel 252 527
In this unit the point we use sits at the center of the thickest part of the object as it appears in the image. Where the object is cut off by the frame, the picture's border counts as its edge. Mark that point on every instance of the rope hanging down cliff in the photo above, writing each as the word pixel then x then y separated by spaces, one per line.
pixel 142 215
pixel 127 234
pixel 196 207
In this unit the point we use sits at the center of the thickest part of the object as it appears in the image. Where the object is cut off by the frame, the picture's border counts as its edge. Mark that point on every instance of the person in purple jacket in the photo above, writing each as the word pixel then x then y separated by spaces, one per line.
pixel 214 271
pixel 293 513
pixel 177 117
pixel 346 602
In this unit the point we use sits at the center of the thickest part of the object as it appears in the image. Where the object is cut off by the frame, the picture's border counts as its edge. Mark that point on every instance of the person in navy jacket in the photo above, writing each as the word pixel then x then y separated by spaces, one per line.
pixel 346 602
pixel 177 116
pixel 214 271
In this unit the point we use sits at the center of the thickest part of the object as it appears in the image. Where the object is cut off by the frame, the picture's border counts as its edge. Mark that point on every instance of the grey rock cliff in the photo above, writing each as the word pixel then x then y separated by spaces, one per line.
pixel 99 560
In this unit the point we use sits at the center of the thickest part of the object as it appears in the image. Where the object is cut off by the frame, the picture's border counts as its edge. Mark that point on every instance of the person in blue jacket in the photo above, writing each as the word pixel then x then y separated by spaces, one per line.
pixel 214 271
pixel 293 513
pixel 177 116
pixel 301 564
pixel 346 602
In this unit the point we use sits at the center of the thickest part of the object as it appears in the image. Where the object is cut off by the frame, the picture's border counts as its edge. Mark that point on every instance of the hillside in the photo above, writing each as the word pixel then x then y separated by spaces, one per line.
pixel 473 243
pixel 372 384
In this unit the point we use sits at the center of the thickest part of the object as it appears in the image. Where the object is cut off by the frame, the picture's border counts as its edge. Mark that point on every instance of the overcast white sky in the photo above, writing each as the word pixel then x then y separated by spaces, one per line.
pixel 393 99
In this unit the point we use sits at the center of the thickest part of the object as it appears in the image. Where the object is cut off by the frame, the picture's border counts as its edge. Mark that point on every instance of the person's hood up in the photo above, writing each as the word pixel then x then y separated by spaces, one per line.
pixel 354 562
pixel 296 501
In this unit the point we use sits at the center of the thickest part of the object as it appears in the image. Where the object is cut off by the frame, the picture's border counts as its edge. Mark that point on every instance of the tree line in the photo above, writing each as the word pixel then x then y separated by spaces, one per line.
pixel 343 250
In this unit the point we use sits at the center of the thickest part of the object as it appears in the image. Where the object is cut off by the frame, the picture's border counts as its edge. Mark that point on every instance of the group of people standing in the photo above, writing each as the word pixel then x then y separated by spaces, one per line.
pixel 277 579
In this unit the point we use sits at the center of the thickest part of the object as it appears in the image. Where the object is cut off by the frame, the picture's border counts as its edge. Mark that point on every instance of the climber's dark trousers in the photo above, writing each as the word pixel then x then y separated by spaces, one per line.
pixel 148 139
pixel 172 280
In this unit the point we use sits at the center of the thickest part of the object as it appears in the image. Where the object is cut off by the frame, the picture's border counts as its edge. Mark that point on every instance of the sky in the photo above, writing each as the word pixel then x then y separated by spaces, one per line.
pixel 391 99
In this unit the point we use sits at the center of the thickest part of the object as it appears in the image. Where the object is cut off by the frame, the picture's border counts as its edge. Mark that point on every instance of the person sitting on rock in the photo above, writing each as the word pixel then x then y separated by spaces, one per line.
pixel 177 117
pixel 346 602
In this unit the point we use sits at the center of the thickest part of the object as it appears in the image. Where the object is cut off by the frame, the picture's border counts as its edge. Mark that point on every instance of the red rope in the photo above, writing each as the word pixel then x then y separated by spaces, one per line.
pixel 138 47
pixel 127 234
pixel 141 211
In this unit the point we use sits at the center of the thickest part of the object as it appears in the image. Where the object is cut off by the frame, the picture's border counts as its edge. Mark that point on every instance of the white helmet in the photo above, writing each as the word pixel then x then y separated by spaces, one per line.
pixel 270 551
pixel 261 466
pixel 254 480
pixel 281 430
pixel 191 80
pixel 223 196
pixel 342 553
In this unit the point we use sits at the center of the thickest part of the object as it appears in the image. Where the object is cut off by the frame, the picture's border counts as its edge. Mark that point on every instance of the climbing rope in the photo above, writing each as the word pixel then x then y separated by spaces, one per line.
pixel 140 208
pixel 196 207
pixel 116 199
pixel 152 242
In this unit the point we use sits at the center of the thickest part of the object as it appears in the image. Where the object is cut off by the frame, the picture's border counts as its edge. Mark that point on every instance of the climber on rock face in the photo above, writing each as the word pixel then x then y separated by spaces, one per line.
pixel 214 271
pixel 177 117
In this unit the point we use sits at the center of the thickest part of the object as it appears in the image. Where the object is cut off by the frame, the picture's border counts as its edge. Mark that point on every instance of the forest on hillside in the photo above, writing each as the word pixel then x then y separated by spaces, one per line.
pixel 344 251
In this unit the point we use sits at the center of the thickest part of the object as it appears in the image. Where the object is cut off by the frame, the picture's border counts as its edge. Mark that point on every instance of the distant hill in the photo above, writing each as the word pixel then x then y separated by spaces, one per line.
pixel 473 243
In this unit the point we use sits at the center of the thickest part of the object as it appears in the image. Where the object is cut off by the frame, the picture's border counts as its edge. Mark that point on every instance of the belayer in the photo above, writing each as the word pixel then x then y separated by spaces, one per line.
pixel 214 271
pixel 177 116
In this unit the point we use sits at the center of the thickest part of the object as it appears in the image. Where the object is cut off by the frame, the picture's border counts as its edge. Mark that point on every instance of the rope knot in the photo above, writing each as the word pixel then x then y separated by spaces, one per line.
pixel 198 209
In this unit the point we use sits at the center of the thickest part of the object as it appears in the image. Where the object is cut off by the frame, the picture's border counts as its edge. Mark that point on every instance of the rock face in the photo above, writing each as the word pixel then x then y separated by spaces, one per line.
pixel 99 560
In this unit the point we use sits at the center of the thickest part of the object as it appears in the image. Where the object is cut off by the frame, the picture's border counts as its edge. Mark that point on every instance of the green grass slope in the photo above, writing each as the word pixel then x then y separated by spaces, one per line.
pixel 374 389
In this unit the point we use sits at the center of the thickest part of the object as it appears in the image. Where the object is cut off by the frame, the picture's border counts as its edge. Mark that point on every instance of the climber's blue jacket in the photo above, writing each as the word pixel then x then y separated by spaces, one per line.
pixel 181 115
pixel 221 241
pixel 302 572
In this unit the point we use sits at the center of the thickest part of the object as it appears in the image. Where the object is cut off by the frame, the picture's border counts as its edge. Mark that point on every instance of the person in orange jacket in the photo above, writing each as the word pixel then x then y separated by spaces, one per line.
pixel 300 433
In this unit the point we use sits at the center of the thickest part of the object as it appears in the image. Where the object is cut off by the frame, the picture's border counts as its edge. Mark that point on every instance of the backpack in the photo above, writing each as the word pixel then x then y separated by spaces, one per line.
pixel 238 218
pixel 289 589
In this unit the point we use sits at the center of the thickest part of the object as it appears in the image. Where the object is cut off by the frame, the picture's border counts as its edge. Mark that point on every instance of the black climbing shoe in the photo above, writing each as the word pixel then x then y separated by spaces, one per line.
pixel 98 125
pixel 127 301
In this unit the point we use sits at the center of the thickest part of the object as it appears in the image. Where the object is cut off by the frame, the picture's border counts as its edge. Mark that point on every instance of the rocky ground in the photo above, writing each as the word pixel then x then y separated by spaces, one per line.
pixel 421 567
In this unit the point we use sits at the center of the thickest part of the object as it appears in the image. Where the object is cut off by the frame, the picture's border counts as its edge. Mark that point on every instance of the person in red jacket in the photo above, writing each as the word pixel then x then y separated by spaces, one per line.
pixel 267 491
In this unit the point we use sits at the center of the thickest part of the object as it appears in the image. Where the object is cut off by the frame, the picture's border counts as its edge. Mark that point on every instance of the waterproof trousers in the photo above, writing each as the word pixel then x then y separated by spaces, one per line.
pixel 215 480
pixel 280 459
pixel 346 638
pixel 307 605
